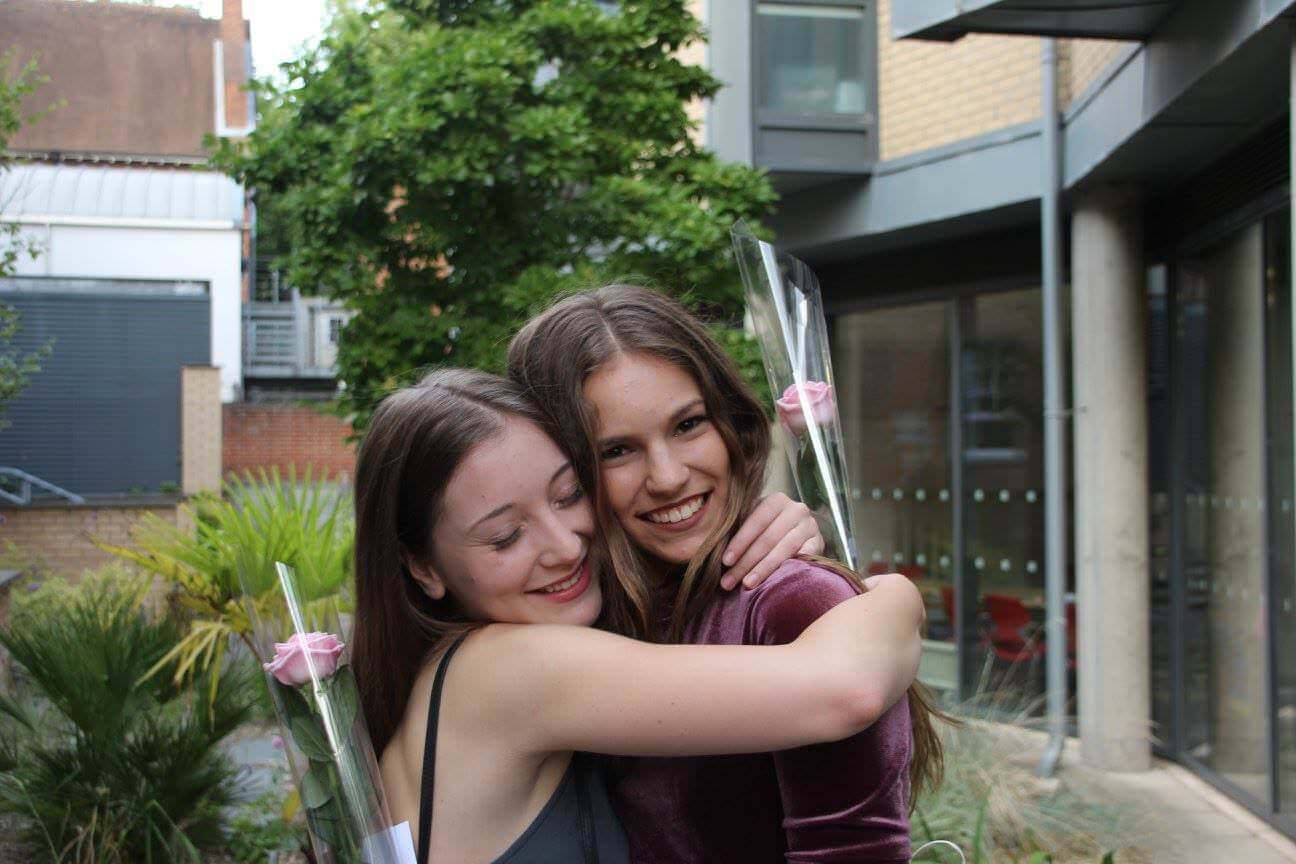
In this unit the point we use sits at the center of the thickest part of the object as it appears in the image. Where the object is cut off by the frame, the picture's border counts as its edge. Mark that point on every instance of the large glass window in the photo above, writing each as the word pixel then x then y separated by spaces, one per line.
pixel 1160 513
pixel 811 59
pixel 1282 545
pixel 894 369
pixel 1221 349
pixel 1003 479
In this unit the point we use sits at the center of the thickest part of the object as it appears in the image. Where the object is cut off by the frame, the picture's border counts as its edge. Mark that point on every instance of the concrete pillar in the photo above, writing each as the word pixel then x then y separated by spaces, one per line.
pixel 1111 510
pixel 200 429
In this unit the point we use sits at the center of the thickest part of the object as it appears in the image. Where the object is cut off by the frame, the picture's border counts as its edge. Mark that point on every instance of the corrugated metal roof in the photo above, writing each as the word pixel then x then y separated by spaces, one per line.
pixel 34 190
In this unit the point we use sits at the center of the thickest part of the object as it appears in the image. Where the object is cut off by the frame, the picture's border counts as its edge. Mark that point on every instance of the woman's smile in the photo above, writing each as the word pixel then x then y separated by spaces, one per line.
pixel 567 588
pixel 680 516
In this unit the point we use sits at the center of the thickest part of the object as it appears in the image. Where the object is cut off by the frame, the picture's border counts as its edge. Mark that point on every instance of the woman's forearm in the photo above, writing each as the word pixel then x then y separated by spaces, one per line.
pixel 873 643
pixel 580 689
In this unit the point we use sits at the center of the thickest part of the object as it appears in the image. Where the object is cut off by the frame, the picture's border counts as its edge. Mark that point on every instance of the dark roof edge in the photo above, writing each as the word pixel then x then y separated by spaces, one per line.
pixel 78 156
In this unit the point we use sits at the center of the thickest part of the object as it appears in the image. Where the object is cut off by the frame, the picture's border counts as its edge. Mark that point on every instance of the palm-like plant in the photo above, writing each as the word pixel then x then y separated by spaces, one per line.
pixel 101 762
pixel 222 543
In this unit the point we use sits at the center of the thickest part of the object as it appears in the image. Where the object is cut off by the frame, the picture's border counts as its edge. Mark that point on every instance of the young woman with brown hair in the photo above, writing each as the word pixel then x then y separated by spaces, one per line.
pixel 471 523
pixel 675 445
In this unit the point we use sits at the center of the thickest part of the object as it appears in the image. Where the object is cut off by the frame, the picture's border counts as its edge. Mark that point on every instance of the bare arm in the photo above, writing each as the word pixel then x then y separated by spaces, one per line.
pixel 572 688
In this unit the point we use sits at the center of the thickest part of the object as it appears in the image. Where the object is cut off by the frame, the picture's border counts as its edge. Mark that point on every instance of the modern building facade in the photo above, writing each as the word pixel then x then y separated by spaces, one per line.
pixel 909 141
pixel 143 248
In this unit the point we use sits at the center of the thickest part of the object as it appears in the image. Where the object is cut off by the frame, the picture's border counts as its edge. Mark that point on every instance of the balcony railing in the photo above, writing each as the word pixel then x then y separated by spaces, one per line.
pixel 293 338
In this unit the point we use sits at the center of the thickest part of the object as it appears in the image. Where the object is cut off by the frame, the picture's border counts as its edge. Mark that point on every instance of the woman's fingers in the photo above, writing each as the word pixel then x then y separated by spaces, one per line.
pixel 785 548
pixel 766 511
pixel 814 546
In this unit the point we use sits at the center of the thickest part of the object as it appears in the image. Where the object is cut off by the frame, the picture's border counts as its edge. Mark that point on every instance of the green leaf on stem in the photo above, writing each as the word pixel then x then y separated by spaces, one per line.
pixel 310 739
pixel 326 823
pixel 346 698
pixel 315 787
pixel 290 700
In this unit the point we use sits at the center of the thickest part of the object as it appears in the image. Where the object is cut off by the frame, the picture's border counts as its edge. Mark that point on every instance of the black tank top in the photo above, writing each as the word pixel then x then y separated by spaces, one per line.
pixel 576 825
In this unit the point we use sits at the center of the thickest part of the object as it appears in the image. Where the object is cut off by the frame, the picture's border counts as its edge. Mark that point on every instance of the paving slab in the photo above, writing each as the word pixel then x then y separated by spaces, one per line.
pixel 1185 820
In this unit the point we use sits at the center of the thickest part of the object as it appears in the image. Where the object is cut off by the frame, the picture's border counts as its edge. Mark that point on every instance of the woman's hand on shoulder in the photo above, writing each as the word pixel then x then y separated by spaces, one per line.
pixel 778 529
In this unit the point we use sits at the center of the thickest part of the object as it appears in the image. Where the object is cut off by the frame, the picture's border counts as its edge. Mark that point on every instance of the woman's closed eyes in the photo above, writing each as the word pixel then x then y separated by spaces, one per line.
pixel 569 499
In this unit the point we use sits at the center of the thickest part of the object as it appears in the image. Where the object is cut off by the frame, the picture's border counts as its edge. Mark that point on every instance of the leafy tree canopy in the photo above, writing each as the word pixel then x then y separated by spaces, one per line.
pixel 446 168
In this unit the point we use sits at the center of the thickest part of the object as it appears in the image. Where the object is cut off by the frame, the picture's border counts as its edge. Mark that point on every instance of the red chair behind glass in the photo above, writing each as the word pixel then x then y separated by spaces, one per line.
pixel 1009 619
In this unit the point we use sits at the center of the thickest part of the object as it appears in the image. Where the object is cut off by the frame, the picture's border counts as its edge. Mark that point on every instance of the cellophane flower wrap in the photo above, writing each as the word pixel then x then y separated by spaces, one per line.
pixel 786 313
pixel 307 666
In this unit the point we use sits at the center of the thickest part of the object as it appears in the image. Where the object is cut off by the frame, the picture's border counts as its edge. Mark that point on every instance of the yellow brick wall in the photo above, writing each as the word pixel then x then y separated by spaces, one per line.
pixel 1082 60
pixel 200 429
pixel 59 537
pixel 931 94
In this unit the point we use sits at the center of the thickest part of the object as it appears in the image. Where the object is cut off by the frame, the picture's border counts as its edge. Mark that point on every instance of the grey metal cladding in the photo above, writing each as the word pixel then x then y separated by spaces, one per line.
pixel 103 415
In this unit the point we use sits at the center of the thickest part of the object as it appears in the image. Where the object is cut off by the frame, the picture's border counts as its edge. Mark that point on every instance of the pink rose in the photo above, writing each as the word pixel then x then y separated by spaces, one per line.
pixel 822 406
pixel 289 663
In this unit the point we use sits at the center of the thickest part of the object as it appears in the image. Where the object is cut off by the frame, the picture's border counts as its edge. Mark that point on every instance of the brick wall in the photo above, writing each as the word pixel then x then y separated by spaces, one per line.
pixel 58 535
pixel 1082 61
pixel 934 93
pixel 284 436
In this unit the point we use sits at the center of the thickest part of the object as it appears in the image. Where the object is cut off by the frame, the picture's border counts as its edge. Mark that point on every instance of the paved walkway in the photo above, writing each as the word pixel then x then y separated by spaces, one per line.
pixel 1183 819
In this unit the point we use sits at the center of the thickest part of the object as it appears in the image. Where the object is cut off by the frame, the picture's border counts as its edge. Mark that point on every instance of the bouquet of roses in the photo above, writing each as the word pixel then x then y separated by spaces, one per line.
pixel 787 316
pixel 327 745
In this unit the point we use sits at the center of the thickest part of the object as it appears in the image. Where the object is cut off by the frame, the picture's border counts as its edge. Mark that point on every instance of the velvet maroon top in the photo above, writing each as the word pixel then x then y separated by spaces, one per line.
pixel 844 801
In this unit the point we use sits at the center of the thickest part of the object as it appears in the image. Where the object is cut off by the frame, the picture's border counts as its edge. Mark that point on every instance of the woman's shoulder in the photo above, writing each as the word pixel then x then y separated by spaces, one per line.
pixel 470 682
pixel 794 596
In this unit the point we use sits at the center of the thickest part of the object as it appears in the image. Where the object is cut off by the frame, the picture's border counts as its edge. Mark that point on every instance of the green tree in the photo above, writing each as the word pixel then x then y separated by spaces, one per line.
pixel 446 168
pixel 16 366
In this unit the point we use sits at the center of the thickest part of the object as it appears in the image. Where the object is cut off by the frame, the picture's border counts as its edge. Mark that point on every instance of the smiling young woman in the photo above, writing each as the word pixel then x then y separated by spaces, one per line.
pixel 662 426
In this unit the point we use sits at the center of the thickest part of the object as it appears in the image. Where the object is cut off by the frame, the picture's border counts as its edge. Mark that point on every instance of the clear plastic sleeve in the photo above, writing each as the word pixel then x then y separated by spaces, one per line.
pixel 325 740
pixel 787 316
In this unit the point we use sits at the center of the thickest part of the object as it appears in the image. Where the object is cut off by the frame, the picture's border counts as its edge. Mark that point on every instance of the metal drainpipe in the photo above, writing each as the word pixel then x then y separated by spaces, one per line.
pixel 1055 414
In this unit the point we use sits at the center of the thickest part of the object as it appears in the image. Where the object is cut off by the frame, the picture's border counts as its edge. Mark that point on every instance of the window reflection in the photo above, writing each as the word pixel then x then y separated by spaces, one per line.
pixel 1221 348
pixel 811 58
pixel 894 365
pixel 1003 461
pixel 1282 609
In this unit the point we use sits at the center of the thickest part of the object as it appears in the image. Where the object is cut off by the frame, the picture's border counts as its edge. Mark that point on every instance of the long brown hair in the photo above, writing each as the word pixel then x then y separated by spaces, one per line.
pixel 416 441
pixel 551 358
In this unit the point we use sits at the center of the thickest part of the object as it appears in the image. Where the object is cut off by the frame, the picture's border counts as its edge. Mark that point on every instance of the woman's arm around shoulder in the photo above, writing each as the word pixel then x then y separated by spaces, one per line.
pixel 575 688
pixel 801 591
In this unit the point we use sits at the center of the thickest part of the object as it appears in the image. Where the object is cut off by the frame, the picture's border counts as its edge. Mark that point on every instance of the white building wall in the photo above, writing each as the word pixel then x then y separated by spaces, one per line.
pixel 142 250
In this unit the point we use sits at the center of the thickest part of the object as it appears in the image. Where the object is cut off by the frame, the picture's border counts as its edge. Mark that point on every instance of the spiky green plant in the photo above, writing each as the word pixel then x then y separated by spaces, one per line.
pixel 993 806
pixel 221 543
pixel 101 762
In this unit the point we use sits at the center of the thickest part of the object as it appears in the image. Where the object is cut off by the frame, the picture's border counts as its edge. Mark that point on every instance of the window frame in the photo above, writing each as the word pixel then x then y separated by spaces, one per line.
pixel 863 122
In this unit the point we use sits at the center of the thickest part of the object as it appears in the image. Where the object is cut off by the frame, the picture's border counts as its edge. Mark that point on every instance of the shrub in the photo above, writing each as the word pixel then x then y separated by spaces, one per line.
pixel 263 826
pixel 993 806
pixel 101 762
pixel 222 541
